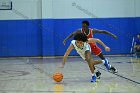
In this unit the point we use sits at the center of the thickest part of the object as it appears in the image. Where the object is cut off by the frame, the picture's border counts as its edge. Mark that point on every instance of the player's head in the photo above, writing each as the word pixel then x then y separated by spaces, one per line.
pixel 85 24
pixel 80 39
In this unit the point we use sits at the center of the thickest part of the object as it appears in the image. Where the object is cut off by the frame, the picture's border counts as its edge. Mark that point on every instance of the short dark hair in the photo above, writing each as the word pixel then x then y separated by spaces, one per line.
pixel 80 37
pixel 85 22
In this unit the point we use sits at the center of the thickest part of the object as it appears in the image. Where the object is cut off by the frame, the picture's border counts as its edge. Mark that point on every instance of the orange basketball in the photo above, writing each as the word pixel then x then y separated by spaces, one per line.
pixel 57 76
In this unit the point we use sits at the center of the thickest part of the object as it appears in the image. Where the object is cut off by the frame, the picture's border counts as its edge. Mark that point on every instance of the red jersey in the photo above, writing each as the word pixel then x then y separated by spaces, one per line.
pixel 95 49
pixel 90 35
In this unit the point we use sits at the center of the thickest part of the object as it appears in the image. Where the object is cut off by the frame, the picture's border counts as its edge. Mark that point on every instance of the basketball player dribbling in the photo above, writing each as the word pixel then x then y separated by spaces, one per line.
pixel 80 44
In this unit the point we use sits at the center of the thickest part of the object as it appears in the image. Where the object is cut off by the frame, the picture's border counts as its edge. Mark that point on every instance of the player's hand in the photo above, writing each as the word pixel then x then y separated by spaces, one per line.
pixel 107 49
pixel 61 66
pixel 64 42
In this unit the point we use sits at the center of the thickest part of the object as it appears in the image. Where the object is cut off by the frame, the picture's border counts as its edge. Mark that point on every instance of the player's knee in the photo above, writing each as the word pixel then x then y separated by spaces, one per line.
pixel 88 59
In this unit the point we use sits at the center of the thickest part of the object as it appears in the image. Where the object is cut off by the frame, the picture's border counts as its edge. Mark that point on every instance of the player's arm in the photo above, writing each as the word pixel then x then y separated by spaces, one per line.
pixel 105 32
pixel 94 40
pixel 70 36
pixel 66 54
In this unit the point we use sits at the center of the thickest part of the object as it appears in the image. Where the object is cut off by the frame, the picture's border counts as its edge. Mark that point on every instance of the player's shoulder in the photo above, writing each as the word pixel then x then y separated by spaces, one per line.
pixel 79 30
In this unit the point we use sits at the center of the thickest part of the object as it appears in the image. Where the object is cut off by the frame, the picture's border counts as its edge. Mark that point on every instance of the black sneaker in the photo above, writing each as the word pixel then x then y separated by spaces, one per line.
pixel 113 69
pixel 98 74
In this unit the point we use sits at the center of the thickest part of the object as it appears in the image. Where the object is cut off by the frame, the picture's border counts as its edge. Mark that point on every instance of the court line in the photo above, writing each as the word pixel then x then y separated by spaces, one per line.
pixel 120 76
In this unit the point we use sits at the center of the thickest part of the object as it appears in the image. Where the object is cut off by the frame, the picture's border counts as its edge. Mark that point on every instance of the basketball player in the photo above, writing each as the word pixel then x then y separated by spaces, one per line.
pixel 137 43
pixel 94 48
pixel 80 44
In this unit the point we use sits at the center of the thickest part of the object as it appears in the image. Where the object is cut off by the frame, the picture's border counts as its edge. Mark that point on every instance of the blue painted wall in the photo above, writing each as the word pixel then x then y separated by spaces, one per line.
pixel 137 25
pixel 45 37
pixel 20 38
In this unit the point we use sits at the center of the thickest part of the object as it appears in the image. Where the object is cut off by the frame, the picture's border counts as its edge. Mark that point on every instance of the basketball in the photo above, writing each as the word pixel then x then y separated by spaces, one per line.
pixel 57 77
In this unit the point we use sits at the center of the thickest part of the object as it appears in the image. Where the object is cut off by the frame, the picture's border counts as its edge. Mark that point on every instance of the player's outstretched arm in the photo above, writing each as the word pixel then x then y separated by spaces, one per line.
pixel 94 40
pixel 105 32
pixel 70 36
pixel 66 55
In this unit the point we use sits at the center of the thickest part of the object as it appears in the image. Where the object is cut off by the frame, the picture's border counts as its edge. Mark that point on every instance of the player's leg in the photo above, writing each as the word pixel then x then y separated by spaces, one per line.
pixel 107 64
pixel 98 52
pixel 90 62
pixel 101 56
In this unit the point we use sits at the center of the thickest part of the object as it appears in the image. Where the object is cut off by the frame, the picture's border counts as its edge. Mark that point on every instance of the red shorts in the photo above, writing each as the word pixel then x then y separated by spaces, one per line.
pixel 95 49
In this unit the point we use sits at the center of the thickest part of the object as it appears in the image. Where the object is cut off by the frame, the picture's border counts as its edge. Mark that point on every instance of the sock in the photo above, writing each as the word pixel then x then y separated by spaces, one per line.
pixel 93 74
pixel 103 61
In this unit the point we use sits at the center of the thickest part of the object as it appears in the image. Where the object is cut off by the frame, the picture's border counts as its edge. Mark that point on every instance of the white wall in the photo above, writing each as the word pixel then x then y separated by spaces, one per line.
pixel 137 8
pixel 92 8
pixel 47 8
pixel 31 9
pixel 36 9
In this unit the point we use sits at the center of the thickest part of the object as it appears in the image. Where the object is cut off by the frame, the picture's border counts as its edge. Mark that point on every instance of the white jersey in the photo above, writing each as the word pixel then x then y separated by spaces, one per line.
pixel 81 50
